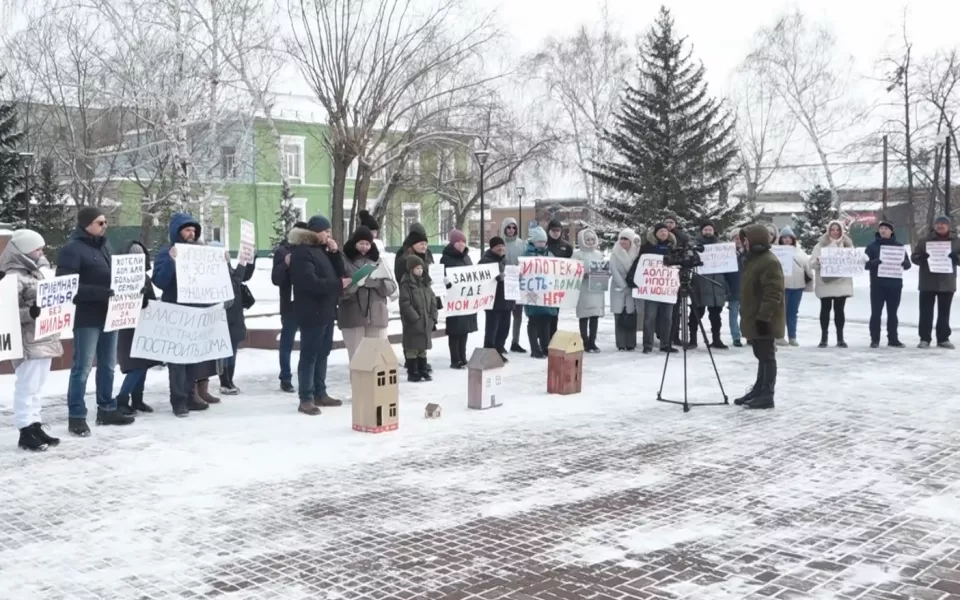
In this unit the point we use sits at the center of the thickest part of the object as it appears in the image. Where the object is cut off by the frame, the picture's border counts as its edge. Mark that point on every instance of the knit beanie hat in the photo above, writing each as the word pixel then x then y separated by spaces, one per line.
pixel 497 241
pixel 787 231
pixel 660 226
pixel 318 223
pixel 27 240
pixel 362 233
pixel 415 237
pixel 705 224
pixel 87 215
pixel 367 220
pixel 554 224
pixel 537 234
pixel 885 223
pixel 456 235
pixel 412 261
pixel 942 219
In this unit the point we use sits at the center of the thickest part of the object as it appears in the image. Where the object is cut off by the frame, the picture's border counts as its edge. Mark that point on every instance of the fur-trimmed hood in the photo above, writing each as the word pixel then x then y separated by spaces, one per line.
pixel 302 237
pixel 843 242
pixel 652 238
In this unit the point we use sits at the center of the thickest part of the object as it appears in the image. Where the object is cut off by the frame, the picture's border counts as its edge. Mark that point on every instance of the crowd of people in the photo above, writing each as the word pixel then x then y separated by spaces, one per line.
pixel 322 286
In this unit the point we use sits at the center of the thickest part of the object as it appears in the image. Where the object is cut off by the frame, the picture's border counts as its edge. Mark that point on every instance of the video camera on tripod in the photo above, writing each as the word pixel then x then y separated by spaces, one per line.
pixel 687 257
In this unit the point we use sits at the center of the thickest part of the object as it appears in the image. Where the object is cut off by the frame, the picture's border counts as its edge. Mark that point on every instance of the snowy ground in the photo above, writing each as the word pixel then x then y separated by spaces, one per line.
pixel 849 489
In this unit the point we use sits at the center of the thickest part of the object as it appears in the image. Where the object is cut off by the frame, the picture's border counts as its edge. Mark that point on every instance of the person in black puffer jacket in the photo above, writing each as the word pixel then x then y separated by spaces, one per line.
pixel 458 328
pixel 556 245
pixel 884 290
pixel 416 244
pixel 497 321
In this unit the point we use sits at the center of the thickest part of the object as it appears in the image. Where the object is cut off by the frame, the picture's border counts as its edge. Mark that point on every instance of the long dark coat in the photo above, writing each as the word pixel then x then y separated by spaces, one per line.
pixel 705 293
pixel 465 324
pixel 500 302
pixel 418 312
pixel 761 288
pixel 125 336
pixel 236 321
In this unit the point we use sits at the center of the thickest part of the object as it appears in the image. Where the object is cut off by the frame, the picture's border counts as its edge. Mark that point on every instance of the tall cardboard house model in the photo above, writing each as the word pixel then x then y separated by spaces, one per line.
pixel 565 363
pixel 374 386
pixel 484 379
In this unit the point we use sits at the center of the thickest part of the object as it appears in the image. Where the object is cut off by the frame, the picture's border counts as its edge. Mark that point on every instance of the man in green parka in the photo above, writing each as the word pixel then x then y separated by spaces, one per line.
pixel 762 313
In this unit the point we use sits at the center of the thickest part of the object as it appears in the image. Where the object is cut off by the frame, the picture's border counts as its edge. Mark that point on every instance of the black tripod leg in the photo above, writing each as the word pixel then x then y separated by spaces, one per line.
pixel 686 332
pixel 714 363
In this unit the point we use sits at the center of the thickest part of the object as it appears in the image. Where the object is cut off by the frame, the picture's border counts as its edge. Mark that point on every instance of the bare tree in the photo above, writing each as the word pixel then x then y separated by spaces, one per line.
pixel 900 69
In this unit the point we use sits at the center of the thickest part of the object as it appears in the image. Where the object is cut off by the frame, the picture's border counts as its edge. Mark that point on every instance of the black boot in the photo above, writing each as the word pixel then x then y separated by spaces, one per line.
pixel 718 343
pixel 43 437
pixel 78 427
pixel 422 367
pixel 896 343
pixel 113 417
pixel 692 343
pixel 453 344
pixel 765 398
pixel 534 345
pixel 30 441
pixel 753 391
pixel 515 347
pixel 137 402
pixel 286 386
pixel 824 339
pixel 123 405
pixel 840 342
pixel 413 371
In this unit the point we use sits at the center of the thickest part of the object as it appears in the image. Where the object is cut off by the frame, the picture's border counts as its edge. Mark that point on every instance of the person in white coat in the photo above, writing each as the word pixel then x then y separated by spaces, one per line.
pixel 593 288
pixel 795 284
pixel 832 291
pixel 622 306
pixel 22 259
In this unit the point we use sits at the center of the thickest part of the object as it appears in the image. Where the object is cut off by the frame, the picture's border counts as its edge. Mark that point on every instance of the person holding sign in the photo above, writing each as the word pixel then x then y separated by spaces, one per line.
pixel 937 257
pixel 886 262
pixel 497 319
pixel 796 282
pixel 514 248
pixel 455 254
pixel 236 321
pixel 364 311
pixel 130 398
pixel 709 295
pixel 22 260
pixel 280 277
pixel 832 291
pixel 415 244
pixel 539 318
pixel 418 314
pixel 657 316
pixel 622 303
pixel 87 255
pixel 590 303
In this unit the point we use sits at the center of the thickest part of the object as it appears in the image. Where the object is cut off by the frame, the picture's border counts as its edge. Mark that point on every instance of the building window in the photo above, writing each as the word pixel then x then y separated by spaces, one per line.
pixel 446 223
pixel 352 170
pixel 393 410
pixel 228 162
pixel 347 222
pixel 411 215
pixel 412 166
pixel 393 377
pixel 293 159
pixel 381 379
pixel 300 205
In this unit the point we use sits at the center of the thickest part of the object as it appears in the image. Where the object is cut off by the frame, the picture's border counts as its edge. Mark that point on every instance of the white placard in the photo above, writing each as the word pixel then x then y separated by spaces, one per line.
pixel 123 312
pixel 511 282
pixel 202 275
pixel 786 255
pixel 437 272
pixel 492 382
pixel 11 338
pixel 127 276
pixel 55 299
pixel 655 281
pixel 939 261
pixel 181 335
pixel 719 258
pixel 840 262
pixel 891 262
pixel 248 242
pixel 472 289
pixel 550 281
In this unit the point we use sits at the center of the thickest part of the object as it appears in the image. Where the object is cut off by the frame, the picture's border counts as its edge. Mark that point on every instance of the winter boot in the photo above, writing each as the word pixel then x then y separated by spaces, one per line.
pixel 113 417
pixel 226 386
pixel 923 345
pixel 823 340
pixel 737 343
pixel 840 342
pixel 43 437
pixel 413 371
pixel 794 342
pixel 946 345
pixel 515 347
pixel 30 441
pixel 138 404
pixel 754 391
pixel 422 368
pixel 327 400
pixel 692 343
pixel 203 392
pixel 78 427
pixel 875 343
pixel 764 399
pixel 123 405
pixel 194 402
pixel 718 343
pixel 286 386
pixel 782 342
pixel 181 411
pixel 308 408
pixel 895 343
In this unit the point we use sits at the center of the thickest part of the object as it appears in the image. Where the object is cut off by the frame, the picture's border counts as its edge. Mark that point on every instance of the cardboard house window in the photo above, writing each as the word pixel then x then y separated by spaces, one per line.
pixel 381 379
pixel 393 377
pixel 393 410
pixel 379 416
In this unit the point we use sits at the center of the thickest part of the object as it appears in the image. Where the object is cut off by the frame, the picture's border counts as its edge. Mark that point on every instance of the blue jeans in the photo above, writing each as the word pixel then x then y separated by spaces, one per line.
pixel 133 380
pixel 793 307
pixel 90 342
pixel 734 319
pixel 288 331
pixel 315 346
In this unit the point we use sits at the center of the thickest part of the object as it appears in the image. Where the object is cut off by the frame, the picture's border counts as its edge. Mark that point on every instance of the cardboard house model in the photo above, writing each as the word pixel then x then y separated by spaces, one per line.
pixel 484 379
pixel 375 391
pixel 432 411
pixel 565 363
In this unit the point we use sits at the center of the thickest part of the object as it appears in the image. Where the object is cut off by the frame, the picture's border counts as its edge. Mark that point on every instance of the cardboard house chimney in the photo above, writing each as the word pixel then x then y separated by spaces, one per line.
pixel 484 379
pixel 374 386
pixel 565 363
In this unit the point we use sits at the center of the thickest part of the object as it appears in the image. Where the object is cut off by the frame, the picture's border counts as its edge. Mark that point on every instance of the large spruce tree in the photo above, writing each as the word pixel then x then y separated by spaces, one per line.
pixel 11 172
pixel 48 215
pixel 818 211
pixel 675 143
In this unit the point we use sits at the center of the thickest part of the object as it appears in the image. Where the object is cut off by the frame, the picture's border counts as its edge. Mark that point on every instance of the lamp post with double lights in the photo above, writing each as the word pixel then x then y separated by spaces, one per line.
pixel 26 159
pixel 481 156
pixel 947 142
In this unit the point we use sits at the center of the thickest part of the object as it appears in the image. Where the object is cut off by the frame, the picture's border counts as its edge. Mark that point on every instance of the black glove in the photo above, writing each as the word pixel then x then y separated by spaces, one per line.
pixel 953 257
pixel 763 327
pixel 2 274
pixel 145 302
pixel 874 263
pixel 110 293
pixel 923 255
pixel 34 312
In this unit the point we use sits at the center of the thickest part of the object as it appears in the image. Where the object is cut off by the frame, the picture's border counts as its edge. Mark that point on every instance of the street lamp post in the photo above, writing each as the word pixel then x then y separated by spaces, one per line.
pixel 481 156
pixel 520 191
pixel 946 195
pixel 26 159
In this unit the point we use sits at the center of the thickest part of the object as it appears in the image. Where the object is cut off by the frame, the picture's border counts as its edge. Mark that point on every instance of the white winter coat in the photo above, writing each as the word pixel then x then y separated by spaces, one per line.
pixel 27 271
pixel 801 267
pixel 832 287
pixel 621 294
pixel 589 304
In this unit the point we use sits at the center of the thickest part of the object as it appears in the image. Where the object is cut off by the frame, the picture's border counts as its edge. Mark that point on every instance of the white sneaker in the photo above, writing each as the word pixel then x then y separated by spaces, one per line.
pixel 794 342
pixel 782 342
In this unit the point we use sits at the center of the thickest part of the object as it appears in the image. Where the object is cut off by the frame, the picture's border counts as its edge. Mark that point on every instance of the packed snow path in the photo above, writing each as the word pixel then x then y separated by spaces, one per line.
pixel 849 489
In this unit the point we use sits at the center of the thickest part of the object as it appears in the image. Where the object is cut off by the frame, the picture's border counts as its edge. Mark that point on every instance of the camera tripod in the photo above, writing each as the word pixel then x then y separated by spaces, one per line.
pixel 683 294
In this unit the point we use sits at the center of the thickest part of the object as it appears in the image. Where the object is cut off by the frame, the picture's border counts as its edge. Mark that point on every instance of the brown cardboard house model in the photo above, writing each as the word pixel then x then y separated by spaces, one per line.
pixel 432 411
pixel 484 379
pixel 374 386
pixel 565 363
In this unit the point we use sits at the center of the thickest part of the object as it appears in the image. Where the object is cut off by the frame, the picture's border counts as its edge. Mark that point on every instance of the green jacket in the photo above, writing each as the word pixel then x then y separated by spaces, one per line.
pixel 761 288
pixel 418 312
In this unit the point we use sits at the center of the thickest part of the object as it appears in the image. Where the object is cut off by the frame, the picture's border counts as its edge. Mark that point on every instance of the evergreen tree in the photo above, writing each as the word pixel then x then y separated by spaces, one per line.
pixel 48 215
pixel 12 205
pixel 675 144
pixel 818 211
pixel 286 217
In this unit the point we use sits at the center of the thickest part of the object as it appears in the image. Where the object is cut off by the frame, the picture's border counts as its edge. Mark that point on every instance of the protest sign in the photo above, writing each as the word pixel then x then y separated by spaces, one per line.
pixel 598 278
pixel 786 255
pixel 55 299
pixel 511 282
pixel 248 242
pixel 437 273
pixel 719 258
pixel 11 339
pixel 891 262
pixel 655 281
pixel 550 281
pixel 202 275
pixel 939 261
pixel 472 289
pixel 127 276
pixel 181 335
pixel 840 262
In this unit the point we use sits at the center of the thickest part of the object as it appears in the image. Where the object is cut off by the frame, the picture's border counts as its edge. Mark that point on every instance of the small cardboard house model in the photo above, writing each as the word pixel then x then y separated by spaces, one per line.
pixel 484 379
pixel 374 386
pixel 432 411
pixel 565 363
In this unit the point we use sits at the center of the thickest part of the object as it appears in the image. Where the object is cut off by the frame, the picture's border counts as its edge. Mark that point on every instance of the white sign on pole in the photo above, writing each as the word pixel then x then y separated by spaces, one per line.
pixel 128 276
pixel 511 282
pixel 719 258
pixel 840 262
pixel 181 335
pixel 939 261
pixel 891 262
pixel 437 272
pixel 248 242
pixel 550 281
pixel 786 255
pixel 654 281
pixel 472 289
pixel 55 299
pixel 202 275
pixel 11 338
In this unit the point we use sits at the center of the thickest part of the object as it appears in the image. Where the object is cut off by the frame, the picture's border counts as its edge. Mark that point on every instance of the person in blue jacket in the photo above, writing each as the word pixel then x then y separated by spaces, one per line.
pixel 539 318
pixel 289 325
pixel 884 290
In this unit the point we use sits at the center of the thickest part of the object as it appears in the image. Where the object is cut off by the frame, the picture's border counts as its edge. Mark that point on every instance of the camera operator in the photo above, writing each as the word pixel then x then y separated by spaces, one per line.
pixel 682 240
pixel 656 315
pixel 708 297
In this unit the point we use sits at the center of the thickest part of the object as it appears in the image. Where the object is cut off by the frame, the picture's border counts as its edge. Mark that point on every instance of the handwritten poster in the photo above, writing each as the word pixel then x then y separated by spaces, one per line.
pixel 202 275
pixel 550 281
pixel 786 255
pixel 11 338
pixel 437 273
pixel 719 258
pixel 127 276
pixel 840 262
pixel 939 261
pixel 891 262
pixel 181 335
pixel 472 289
pixel 511 282
pixel 55 299
pixel 655 281
pixel 248 242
